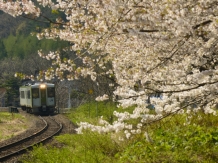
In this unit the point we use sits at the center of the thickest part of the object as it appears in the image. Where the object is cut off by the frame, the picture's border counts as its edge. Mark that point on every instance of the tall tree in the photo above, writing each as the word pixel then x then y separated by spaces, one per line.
pixel 12 86
pixel 155 47
pixel 3 52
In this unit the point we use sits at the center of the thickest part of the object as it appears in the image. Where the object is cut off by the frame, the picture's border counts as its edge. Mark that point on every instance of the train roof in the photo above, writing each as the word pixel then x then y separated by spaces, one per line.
pixel 36 85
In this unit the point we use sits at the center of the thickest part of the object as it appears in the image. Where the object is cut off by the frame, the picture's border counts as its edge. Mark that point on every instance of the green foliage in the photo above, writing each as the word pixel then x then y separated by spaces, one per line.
pixel 23 45
pixel 6 116
pixel 8 44
pixel 16 40
pixel 88 148
pixel 180 138
pixel 55 12
pixel 90 112
pixel 3 52
pixel 49 155
pixel 12 86
pixel 175 140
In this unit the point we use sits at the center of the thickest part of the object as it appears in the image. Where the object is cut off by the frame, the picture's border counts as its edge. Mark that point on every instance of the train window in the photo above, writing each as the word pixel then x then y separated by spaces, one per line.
pixel 28 94
pixel 51 92
pixel 22 94
pixel 35 92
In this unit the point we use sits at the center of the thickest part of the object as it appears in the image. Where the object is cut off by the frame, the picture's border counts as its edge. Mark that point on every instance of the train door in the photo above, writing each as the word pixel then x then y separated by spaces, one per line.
pixel 35 97
pixel 43 97
pixel 51 96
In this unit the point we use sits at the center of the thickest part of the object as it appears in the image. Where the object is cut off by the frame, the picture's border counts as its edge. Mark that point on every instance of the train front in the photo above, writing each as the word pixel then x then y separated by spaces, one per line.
pixel 43 98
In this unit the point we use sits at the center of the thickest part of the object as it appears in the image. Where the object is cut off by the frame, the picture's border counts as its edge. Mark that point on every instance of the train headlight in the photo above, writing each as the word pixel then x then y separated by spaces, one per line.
pixel 42 86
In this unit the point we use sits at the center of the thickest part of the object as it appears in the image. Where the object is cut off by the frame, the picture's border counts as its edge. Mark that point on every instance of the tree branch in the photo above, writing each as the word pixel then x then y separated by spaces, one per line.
pixel 149 31
pixel 49 20
pixel 202 24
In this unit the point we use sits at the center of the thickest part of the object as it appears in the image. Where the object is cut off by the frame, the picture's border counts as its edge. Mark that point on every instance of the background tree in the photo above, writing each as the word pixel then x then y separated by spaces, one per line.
pixel 3 52
pixel 12 86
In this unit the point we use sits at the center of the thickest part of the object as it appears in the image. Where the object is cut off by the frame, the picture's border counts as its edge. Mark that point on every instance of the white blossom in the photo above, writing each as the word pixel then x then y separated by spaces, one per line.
pixel 155 47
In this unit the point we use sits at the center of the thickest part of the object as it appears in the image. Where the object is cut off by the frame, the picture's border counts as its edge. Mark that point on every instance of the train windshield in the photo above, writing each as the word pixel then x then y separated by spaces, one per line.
pixel 51 92
pixel 35 92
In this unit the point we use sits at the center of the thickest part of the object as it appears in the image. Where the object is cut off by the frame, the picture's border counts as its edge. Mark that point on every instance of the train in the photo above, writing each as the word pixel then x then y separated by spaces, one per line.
pixel 38 98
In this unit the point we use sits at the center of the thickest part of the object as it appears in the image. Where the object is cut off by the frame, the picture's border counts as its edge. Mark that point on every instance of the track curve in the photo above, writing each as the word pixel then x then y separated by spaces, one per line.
pixel 51 128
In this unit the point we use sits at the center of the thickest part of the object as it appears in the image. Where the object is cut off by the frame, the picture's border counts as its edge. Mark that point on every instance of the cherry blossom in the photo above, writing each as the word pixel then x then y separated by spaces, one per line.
pixel 167 48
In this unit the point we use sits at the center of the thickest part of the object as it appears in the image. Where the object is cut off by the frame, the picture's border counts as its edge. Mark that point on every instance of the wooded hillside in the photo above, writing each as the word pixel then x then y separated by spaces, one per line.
pixel 9 24
pixel 18 49
pixel 16 40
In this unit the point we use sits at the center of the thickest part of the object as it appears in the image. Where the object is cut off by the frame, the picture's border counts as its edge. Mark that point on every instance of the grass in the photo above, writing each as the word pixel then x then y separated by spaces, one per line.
pixel 176 141
pixel 93 148
pixel 11 124
pixel 180 138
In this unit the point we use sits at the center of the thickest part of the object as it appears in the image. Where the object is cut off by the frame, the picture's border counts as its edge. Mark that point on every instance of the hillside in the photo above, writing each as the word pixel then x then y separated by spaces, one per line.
pixel 18 48
pixel 16 40
pixel 16 25
pixel 9 24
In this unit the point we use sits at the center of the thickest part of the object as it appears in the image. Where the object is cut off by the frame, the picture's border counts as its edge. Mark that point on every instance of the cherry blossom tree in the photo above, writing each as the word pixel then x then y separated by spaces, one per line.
pixel 164 47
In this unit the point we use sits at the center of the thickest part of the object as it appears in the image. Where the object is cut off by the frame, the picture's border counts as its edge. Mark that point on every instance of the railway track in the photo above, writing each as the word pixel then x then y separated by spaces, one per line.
pixel 50 129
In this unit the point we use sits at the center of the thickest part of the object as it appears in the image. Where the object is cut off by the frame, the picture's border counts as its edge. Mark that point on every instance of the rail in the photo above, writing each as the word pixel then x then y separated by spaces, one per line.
pixel 7 151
